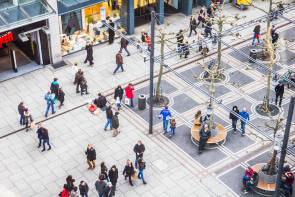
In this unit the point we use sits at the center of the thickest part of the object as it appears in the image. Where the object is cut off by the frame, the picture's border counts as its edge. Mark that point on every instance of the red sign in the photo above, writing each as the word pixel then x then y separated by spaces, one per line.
pixel 6 38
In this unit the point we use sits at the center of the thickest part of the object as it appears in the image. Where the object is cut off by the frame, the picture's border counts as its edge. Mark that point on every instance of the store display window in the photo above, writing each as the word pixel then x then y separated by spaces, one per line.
pixel 74 37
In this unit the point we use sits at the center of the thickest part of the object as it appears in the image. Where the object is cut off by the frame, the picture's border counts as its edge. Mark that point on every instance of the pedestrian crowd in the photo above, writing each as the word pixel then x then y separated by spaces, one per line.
pixel 106 183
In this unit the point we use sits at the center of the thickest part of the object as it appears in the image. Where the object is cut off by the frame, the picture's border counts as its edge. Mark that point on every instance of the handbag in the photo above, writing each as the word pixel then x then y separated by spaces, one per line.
pixel 134 175
pixel 127 101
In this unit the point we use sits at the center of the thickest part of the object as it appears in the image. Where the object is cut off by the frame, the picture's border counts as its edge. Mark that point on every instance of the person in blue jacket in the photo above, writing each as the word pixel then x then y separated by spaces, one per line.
pixel 246 116
pixel 166 116
pixel 50 103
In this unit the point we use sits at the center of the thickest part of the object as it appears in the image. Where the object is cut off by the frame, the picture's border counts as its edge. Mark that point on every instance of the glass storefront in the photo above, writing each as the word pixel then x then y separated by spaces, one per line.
pixel 86 24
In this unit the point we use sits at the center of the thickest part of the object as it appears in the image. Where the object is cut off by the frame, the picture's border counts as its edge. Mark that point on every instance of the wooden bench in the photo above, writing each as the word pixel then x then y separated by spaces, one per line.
pixel 212 140
pixel 261 185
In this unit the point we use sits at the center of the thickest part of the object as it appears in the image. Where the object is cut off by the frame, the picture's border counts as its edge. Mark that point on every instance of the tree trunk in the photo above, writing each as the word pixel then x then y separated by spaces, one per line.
pixel 158 96
pixel 272 163
pixel 220 27
pixel 212 91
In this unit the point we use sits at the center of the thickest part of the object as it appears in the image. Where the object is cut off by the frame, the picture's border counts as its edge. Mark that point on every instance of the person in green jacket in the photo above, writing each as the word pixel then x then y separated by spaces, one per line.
pixel 115 124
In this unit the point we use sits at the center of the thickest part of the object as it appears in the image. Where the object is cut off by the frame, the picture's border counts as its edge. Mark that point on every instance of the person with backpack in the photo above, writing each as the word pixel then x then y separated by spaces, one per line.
pixel 60 97
pixel 115 124
pixel 141 167
pixel 21 110
pixel 109 115
pixel 50 103
pixel 83 187
pixel 54 88
pixel 119 62
pixel 124 44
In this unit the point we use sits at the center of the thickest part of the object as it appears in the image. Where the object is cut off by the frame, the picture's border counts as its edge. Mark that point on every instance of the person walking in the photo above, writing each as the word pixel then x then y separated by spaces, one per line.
pixel 141 167
pixel 21 110
pixel 201 17
pixel 124 44
pixel 244 114
pixel 166 116
pixel 50 103
pixel 205 134
pixel 100 186
pixel 100 101
pixel 279 89
pixel 65 192
pixel 104 171
pixel 234 118
pixel 256 34
pixel 179 38
pixel 115 124
pixel 119 62
pixel 208 29
pixel 184 48
pixel 84 86
pixel 60 97
pixel 45 138
pixel 28 119
pixel 111 32
pixel 118 96
pixel 139 149
pixel 78 79
pixel 89 52
pixel 91 156
pixel 109 115
pixel 192 25
pixel 129 93
pixel 128 171
pixel 54 88
pixel 172 127
pixel 83 188
pixel 39 133
pixel 113 176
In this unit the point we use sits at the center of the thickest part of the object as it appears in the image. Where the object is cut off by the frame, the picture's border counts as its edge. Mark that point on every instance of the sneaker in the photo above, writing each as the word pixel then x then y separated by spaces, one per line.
pixel 39 145
pixel 49 148
pixel 243 134
pixel 105 129
pixel 43 150
pixel 53 112
pixel 144 183
pixel 245 192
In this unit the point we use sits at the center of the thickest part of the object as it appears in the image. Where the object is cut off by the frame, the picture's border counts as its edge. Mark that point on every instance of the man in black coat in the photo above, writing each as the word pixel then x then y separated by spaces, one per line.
pixel 89 50
pixel 21 110
pixel 111 32
pixel 61 97
pixel 101 101
pixel 109 114
pixel 138 149
pixel 113 175
pixel 45 139
pixel 118 93
pixel 91 156
pixel 279 89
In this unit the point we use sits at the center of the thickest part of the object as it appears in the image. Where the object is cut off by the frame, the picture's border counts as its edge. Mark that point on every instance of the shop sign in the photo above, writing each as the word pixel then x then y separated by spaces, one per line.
pixel 8 37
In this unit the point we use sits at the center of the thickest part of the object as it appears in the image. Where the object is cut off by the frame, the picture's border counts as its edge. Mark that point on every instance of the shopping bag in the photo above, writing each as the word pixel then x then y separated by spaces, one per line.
pixel 127 101
pixel 32 125
pixel 92 108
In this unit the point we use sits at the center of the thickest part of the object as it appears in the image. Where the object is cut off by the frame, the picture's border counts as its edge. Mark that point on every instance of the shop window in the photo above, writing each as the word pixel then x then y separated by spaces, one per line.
pixel 71 22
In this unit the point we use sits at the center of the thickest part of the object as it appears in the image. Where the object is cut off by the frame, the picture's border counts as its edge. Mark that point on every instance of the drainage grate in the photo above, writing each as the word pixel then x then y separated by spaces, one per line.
pixel 59 64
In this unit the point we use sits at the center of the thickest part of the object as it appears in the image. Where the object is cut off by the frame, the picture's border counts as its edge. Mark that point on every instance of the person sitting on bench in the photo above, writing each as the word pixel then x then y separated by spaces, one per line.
pixel 252 182
pixel 205 134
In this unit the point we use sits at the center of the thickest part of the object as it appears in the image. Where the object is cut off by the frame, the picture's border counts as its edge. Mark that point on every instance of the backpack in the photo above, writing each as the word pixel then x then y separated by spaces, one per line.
pixel 53 88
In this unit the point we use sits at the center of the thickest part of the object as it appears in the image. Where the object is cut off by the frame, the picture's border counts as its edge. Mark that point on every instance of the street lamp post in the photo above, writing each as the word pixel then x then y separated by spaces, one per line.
pixel 152 71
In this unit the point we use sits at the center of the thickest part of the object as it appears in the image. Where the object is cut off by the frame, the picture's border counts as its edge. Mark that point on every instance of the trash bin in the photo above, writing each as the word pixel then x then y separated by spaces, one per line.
pixel 253 54
pixel 141 102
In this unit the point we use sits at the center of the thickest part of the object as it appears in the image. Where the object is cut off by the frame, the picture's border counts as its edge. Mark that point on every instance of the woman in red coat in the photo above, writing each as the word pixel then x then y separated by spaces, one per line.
pixel 129 93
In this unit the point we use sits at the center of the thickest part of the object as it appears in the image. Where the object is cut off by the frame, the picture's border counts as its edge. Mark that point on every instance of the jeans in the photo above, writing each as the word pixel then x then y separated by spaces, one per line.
pixel 248 184
pixel 46 141
pixel 243 125
pixel 47 109
pixel 131 101
pixel 118 106
pixel 137 158
pixel 191 30
pixel 119 66
pixel 172 131
pixel 82 91
pixel 22 120
pixel 84 195
pixel 109 121
pixel 125 50
pixel 254 37
pixel 100 194
pixel 40 141
pixel 281 98
pixel 141 175
pixel 165 125
pixel 234 124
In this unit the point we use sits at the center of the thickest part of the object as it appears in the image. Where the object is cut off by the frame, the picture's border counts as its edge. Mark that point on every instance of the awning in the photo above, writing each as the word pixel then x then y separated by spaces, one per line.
pixel 13 16
pixel 66 6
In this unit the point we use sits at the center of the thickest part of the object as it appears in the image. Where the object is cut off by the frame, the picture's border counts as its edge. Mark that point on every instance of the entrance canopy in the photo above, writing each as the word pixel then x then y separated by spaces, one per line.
pixel 15 14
